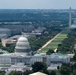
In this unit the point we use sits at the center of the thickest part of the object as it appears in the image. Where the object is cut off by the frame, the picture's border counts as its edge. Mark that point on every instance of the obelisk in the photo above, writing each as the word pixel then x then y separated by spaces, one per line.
pixel 70 17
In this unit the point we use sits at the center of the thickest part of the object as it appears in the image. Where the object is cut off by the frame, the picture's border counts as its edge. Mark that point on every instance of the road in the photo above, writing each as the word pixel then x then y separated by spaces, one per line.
pixel 48 42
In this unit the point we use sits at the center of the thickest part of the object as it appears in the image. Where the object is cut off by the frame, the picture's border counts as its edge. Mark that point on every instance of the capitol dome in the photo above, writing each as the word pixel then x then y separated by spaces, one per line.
pixel 22 45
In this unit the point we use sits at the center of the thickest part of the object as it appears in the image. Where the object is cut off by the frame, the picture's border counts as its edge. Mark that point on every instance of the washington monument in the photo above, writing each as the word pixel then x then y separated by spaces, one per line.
pixel 70 17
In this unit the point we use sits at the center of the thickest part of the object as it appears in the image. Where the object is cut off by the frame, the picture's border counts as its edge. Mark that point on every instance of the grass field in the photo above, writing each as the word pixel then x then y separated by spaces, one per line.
pixel 54 44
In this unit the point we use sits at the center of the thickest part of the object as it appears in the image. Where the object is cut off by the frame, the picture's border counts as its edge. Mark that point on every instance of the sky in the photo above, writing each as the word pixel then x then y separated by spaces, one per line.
pixel 37 4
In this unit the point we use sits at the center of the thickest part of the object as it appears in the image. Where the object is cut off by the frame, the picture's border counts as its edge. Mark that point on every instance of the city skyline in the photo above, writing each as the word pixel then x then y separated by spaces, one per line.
pixel 37 4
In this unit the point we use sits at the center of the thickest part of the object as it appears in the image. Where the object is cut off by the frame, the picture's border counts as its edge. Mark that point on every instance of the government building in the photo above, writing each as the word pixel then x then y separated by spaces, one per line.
pixel 22 54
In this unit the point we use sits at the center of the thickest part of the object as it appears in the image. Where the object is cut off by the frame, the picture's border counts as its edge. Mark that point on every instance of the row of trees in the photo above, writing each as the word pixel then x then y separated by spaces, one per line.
pixel 36 67
pixel 51 30
pixel 32 16
pixel 67 45
pixel 38 42
pixel 10 48
pixel 65 69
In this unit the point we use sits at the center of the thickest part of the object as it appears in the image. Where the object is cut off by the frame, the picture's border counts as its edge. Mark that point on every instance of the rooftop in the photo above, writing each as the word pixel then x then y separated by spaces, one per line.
pixel 38 73
pixel 58 55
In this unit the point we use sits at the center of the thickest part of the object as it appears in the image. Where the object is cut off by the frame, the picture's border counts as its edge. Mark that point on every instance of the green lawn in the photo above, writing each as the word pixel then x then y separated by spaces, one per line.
pixel 54 44
pixel 4 65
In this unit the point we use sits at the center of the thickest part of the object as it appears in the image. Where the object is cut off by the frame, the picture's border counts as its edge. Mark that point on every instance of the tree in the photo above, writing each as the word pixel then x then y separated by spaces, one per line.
pixel 27 72
pixel 68 43
pixel 14 73
pixel 38 66
pixel 50 51
pixel 65 70
pixel 74 72
pixel 74 57
pixel 2 73
pixel 0 40
pixel 58 67
pixel 74 66
pixel 52 73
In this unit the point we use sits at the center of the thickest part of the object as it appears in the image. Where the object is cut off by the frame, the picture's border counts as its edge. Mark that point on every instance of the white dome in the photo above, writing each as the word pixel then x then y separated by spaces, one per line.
pixel 22 45
pixel 22 38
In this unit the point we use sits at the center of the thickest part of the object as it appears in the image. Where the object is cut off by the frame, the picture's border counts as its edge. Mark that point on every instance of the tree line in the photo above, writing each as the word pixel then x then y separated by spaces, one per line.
pixel 65 69
pixel 68 44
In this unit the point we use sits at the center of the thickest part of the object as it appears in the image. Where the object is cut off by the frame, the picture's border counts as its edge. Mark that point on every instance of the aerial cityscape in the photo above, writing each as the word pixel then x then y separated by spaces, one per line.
pixel 38 38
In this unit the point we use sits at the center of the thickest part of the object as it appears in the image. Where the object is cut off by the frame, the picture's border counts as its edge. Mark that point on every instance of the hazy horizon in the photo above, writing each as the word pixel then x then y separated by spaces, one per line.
pixel 37 4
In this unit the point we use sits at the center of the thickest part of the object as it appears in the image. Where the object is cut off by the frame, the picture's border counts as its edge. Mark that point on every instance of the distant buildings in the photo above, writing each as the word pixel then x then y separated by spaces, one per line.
pixel 39 31
pixel 17 29
pixel 28 29
pixel 8 42
pixel 4 32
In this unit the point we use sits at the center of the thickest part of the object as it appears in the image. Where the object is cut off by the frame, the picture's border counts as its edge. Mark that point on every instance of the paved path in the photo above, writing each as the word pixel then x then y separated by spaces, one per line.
pixel 48 42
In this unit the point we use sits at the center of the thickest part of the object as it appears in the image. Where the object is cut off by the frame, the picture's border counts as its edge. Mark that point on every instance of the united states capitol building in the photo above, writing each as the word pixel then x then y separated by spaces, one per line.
pixel 22 54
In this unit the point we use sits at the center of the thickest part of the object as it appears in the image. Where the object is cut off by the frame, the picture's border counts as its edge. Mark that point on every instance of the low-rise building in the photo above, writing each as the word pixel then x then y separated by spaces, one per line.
pixel 4 32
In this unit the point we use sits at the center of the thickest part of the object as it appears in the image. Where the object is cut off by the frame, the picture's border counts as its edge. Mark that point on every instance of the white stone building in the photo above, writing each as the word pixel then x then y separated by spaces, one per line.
pixel 22 54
